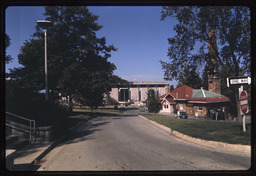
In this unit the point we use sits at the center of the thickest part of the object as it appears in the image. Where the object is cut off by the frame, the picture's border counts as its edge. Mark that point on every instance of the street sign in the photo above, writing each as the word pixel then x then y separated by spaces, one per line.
pixel 243 102
pixel 238 81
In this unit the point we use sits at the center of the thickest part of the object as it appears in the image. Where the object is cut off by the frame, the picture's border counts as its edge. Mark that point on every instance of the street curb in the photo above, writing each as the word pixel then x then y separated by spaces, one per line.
pixel 246 149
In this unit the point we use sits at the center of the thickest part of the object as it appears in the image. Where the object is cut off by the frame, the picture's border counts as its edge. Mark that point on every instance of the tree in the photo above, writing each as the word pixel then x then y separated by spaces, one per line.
pixel 190 45
pixel 171 88
pixel 8 58
pixel 152 103
pixel 78 65
pixel 189 77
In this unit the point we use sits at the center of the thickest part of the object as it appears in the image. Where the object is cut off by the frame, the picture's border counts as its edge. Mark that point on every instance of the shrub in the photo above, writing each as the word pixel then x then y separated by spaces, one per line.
pixel 110 100
pixel 45 113
pixel 152 103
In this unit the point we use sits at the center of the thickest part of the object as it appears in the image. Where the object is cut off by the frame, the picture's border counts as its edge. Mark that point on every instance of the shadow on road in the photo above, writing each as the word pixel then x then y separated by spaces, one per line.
pixel 82 131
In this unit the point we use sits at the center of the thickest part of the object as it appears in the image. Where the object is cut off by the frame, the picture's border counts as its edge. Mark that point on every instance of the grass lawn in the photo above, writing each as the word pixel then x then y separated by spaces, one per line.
pixel 99 112
pixel 85 114
pixel 223 131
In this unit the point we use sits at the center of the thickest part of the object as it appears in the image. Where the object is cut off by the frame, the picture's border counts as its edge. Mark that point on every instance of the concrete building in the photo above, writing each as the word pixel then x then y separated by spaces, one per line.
pixel 137 91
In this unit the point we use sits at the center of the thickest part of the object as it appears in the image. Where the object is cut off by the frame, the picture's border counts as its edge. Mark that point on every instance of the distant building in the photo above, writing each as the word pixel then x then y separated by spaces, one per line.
pixel 137 91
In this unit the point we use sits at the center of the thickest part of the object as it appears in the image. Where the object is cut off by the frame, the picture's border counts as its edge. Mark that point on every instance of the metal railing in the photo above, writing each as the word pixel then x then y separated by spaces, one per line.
pixel 31 129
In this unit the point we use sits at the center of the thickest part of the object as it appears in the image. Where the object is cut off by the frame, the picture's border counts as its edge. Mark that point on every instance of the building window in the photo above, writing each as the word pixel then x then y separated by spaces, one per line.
pixel 200 109
pixel 139 95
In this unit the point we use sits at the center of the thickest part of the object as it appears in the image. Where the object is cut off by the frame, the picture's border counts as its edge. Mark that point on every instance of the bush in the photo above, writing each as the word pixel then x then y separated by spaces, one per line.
pixel 110 100
pixel 45 113
pixel 152 103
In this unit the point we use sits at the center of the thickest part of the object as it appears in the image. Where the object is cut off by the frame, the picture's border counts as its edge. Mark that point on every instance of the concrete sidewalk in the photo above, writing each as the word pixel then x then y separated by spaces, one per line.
pixel 27 158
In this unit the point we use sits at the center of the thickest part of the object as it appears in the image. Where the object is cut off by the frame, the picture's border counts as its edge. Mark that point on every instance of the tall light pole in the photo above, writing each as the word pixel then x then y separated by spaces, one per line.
pixel 45 58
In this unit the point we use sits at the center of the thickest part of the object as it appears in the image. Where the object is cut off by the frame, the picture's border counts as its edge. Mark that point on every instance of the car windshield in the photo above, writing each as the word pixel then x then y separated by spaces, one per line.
pixel 183 113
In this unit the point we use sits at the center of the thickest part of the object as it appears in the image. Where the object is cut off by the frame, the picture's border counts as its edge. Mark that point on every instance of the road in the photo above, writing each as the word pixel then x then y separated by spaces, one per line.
pixel 127 142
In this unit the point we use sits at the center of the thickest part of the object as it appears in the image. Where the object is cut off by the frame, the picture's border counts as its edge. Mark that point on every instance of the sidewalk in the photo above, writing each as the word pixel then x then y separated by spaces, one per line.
pixel 27 158
pixel 24 157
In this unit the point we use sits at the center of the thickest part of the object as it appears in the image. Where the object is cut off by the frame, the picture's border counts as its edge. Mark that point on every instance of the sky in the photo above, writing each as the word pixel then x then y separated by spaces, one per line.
pixel 137 32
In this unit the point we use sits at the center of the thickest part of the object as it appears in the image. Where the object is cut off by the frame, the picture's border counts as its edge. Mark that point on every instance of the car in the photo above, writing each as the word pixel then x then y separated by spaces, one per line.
pixel 182 115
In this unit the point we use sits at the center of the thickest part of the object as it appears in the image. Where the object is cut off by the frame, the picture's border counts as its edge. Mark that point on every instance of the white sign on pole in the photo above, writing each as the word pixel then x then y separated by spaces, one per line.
pixel 238 81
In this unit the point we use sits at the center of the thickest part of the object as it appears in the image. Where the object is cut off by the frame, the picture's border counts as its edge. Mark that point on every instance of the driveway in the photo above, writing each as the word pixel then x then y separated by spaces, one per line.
pixel 127 142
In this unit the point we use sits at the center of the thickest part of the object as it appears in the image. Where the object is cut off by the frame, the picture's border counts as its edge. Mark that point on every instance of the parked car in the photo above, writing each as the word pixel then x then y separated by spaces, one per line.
pixel 182 115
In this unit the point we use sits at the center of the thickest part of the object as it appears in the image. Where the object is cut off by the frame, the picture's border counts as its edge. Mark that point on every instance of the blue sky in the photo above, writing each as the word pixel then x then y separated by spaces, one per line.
pixel 137 32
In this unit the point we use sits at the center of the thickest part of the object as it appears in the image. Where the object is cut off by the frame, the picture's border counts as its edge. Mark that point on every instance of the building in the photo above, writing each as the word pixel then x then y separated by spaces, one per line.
pixel 192 101
pixel 137 91
pixel 176 100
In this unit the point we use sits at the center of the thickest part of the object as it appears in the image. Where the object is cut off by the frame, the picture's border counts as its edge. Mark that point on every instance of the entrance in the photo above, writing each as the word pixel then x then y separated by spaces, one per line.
pixel 124 95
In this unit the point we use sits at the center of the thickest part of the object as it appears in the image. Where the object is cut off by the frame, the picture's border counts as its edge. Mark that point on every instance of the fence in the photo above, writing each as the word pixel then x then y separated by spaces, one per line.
pixel 21 127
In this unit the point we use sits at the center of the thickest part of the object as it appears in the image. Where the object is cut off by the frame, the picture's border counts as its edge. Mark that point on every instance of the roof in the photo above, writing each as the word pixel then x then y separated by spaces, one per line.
pixel 170 100
pixel 204 96
pixel 193 96
pixel 182 93
pixel 201 93
pixel 150 83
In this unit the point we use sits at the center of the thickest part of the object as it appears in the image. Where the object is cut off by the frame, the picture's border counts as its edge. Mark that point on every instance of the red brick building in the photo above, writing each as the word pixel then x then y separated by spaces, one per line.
pixel 190 100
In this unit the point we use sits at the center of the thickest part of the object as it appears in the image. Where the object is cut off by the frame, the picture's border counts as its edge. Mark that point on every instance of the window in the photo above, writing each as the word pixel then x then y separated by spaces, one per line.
pixel 200 109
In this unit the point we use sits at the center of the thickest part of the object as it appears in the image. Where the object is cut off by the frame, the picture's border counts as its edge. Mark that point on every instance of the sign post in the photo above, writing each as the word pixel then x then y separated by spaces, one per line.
pixel 243 97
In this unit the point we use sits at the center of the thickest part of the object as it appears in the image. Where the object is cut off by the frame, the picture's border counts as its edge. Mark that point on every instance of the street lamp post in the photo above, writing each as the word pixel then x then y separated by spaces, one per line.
pixel 45 58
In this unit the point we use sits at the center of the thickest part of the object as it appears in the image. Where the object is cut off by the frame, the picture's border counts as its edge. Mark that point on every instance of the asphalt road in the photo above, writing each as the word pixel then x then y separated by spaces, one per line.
pixel 127 142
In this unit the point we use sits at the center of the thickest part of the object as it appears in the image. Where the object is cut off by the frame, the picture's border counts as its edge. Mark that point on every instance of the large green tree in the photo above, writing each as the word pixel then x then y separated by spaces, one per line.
pixel 190 77
pixel 78 65
pixel 190 44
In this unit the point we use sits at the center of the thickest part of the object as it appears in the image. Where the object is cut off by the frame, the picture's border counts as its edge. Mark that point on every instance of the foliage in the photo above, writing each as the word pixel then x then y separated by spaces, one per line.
pixel 78 64
pixel 8 58
pixel 152 104
pixel 110 100
pixel 189 46
pixel 171 88
pixel 24 102
pixel 189 77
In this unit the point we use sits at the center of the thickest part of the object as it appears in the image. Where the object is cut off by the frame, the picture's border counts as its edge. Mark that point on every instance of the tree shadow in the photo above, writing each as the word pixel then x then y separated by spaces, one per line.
pixel 83 130
pixel 23 167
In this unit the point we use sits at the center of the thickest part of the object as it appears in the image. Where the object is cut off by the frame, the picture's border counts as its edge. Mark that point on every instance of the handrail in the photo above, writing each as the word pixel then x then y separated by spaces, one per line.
pixel 32 125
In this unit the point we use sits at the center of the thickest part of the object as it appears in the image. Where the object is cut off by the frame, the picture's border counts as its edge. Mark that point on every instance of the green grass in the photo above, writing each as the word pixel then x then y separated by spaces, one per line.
pixel 85 114
pixel 99 112
pixel 223 131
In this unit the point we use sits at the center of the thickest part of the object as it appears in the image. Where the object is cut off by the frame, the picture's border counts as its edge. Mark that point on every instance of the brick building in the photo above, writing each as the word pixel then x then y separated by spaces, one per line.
pixel 189 100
